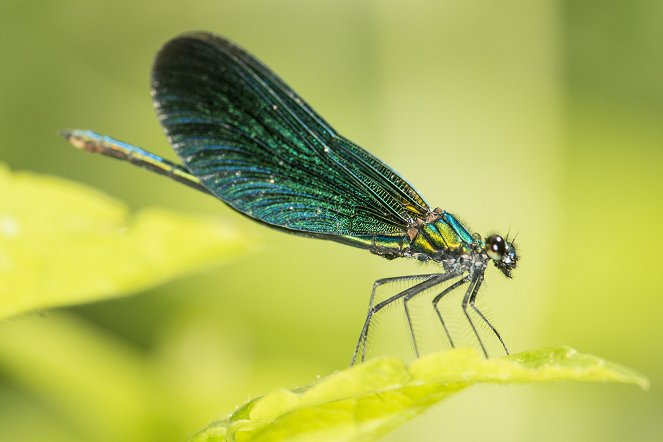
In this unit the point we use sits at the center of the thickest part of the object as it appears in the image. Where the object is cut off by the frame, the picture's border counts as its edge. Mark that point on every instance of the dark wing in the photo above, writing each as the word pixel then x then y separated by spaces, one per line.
pixel 260 148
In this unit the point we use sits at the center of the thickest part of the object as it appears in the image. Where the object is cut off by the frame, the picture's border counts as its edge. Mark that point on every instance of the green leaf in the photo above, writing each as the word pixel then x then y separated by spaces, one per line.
pixel 364 402
pixel 63 243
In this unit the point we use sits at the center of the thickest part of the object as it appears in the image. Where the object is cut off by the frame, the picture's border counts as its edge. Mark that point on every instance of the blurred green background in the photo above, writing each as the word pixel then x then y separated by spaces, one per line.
pixel 542 116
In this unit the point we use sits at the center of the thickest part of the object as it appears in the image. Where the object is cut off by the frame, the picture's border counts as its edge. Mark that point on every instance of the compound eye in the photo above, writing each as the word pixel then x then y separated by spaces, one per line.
pixel 495 247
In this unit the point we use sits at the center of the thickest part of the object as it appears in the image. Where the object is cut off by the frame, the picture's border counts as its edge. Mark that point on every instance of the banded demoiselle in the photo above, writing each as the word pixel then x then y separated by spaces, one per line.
pixel 246 138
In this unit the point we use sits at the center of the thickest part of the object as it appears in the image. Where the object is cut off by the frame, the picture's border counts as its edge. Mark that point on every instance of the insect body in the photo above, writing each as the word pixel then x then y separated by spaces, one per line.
pixel 248 139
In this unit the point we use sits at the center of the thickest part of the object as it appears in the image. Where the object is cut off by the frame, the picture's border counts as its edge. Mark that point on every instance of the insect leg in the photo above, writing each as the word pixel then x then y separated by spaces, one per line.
pixel 430 281
pixel 437 299
pixel 471 294
pixel 361 344
pixel 476 309
pixel 407 298
pixel 391 280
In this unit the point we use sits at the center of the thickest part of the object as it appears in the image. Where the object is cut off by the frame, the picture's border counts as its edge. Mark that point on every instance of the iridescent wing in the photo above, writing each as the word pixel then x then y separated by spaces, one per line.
pixel 260 148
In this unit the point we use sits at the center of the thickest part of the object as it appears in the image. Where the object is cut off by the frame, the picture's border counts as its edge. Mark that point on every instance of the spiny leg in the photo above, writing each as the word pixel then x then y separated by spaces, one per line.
pixel 437 299
pixel 469 294
pixel 379 283
pixel 363 336
pixel 410 325
pixel 418 288
pixel 385 281
pixel 476 309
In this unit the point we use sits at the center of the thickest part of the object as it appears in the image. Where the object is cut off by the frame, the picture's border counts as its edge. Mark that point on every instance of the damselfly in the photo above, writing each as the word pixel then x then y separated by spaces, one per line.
pixel 247 138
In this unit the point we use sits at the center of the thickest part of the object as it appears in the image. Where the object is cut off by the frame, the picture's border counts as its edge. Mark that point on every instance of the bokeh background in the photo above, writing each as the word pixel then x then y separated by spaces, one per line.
pixel 545 117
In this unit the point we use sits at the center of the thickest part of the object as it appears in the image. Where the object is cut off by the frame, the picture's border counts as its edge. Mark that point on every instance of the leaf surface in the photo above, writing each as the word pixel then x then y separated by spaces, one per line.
pixel 63 243
pixel 364 402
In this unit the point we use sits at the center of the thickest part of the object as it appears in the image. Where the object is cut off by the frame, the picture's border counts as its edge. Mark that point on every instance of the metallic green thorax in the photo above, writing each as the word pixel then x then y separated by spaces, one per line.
pixel 442 236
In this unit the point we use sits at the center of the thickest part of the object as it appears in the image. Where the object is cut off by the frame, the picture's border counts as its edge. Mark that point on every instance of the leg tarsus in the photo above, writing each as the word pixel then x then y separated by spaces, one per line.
pixel 469 294
pixel 409 324
pixel 481 315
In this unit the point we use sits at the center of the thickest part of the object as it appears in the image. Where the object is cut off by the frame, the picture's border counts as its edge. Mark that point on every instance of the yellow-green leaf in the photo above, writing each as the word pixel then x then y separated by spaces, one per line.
pixel 364 402
pixel 63 243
